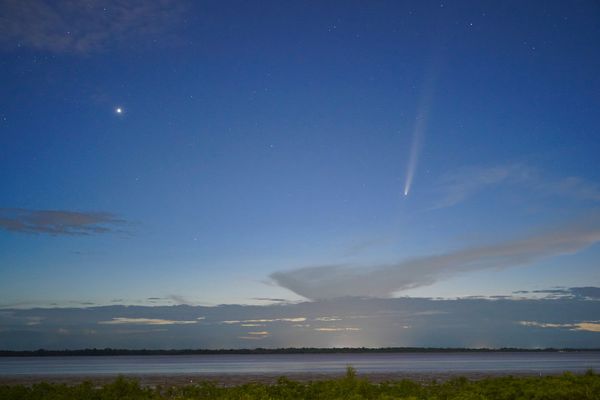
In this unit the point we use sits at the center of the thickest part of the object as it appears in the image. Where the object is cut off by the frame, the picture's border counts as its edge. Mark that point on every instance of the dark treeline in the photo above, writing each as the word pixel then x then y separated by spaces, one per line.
pixel 302 350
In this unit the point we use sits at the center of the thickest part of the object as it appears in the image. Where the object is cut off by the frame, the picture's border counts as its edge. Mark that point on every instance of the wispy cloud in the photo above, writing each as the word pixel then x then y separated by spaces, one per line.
pixel 179 299
pixel 330 281
pixel 32 321
pixel 145 321
pixel 457 186
pixel 583 293
pixel 328 319
pixel 58 222
pixel 270 299
pixel 593 326
pixel 588 326
pixel 349 329
pixel 66 26
pixel 572 187
pixel 264 320
pixel 586 292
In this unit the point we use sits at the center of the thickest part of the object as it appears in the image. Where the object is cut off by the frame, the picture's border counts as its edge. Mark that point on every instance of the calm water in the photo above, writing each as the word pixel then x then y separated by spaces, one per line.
pixel 297 363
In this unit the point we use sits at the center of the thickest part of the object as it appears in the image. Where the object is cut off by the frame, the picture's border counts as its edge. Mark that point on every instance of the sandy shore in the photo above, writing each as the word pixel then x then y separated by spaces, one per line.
pixel 238 379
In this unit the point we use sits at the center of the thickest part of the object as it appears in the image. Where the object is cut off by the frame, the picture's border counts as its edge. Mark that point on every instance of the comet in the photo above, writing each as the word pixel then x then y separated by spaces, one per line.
pixel 415 149
pixel 420 126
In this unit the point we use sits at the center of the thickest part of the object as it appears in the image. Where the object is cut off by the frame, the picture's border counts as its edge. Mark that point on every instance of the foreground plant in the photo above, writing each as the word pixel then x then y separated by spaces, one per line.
pixel 351 387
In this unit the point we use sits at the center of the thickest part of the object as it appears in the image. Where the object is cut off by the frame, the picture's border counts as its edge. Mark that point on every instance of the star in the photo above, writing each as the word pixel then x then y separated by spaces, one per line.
pixel 119 110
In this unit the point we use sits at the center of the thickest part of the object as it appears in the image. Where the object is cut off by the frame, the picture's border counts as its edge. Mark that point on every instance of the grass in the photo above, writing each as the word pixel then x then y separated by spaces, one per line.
pixel 564 387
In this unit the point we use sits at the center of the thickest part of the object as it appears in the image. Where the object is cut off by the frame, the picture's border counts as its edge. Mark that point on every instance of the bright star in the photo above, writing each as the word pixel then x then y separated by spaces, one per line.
pixel 119 110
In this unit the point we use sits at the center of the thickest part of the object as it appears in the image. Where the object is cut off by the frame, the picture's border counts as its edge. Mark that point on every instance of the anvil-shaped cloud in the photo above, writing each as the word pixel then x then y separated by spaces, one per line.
pixel 331 281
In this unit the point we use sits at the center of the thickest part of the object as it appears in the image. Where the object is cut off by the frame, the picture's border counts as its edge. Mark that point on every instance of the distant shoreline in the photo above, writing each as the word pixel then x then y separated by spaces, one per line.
pixel 338 350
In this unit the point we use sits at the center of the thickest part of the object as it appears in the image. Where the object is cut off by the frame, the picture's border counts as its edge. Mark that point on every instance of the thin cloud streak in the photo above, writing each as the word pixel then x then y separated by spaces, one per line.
pixel 589 326
pixel 337 329
pixel 264 320
pixel 583 293
pixel 458 186
pixel 58 222
pixel 144 321
pixel 325 282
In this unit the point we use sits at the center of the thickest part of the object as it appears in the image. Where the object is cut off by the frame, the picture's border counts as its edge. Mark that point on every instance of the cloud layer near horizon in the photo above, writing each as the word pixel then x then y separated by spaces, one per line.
pixel 58 222
pixel 353 322
pixel 331 281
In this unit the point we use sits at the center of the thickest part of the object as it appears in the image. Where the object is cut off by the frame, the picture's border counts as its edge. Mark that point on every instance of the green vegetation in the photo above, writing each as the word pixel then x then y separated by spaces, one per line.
pixel 351 387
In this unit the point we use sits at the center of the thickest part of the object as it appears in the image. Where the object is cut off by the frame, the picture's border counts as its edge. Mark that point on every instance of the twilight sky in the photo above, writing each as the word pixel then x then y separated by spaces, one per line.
pixel 278 156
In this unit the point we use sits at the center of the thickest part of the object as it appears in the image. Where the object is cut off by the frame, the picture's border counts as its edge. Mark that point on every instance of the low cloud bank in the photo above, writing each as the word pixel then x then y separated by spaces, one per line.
pixel 354 322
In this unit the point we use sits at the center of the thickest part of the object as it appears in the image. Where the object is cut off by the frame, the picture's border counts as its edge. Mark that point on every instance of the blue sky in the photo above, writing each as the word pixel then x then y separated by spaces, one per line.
pixel 263 150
